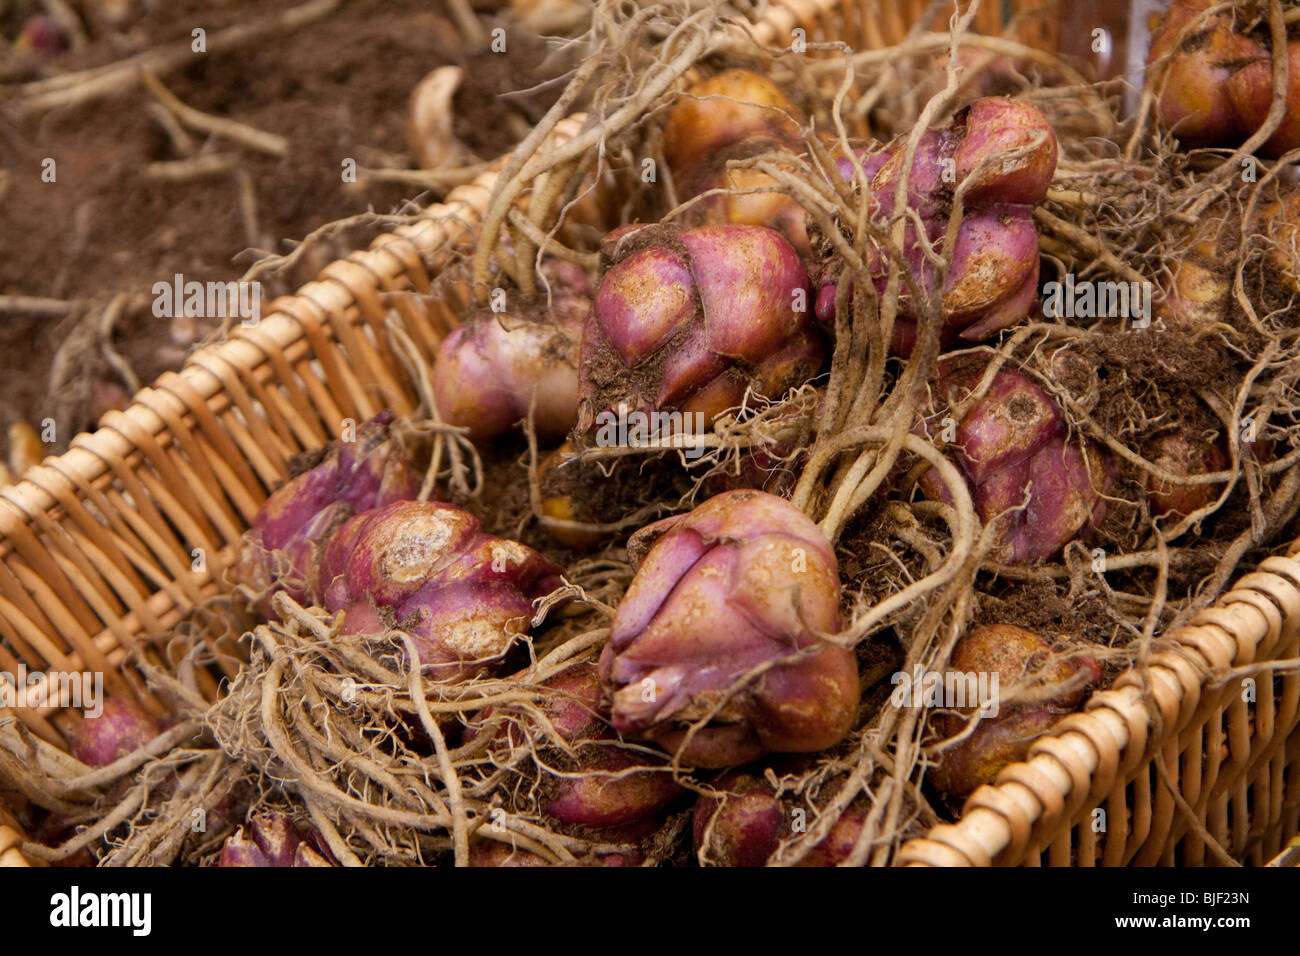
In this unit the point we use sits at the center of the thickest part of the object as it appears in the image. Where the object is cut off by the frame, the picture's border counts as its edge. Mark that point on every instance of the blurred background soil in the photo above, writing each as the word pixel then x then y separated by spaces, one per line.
pixel 335 88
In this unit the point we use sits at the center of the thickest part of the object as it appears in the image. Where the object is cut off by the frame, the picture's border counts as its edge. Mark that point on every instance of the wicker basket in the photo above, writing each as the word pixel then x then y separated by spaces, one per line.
pixel 98 555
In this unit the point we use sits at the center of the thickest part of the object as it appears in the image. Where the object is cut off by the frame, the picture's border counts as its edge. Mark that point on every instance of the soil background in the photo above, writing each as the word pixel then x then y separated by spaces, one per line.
pixel 336 88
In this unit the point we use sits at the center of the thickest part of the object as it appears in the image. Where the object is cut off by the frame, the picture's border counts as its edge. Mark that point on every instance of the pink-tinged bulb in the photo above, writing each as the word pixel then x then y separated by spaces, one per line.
pixel 725 191
pixel 1184 452
pixel 1003 154
pixel 743 825
pixel 599 786
pixel 464 596
pixel 643 301
pixel 732 116
pixel 721 110
pixel 1052 682
pixel 715 128
pixel 572 704
pixel 744 581
pixel 1039 486
pixel 1192 84
pixel 992 745
pixel 491 370
pixel 995 257
pixel 1214 85
pixel 122 728
pixel 740 827
pixel 925 182
pixel 282 548
pixel 1007 153
pixel 1250 91
pixel 608 791
pixel 870 160
pixel 687 319
pixel 1195 105
pixel 489 853
pixel 271 839
pixel 767 469
pixel 43 35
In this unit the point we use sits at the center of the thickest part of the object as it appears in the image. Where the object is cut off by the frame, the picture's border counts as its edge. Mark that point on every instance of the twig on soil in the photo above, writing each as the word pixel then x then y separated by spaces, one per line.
pixel 248 208
pixel 271 143
pixel 36 305
pixel 182 142
pixel 467 22
pixel 69 89
pixel 107 321
pixel 207 166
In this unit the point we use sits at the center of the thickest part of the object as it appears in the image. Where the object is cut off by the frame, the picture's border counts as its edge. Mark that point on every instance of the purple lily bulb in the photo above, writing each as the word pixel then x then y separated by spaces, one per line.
pixel 687 320
pixel 463 595
pixel 744 824
pixel 271 840
pixel 122 727
pixel 605 794
pixel 1005 152
pixel 1025 473
pixel 497 365
pixel 283 546
pixel 600 787
pixel 720 627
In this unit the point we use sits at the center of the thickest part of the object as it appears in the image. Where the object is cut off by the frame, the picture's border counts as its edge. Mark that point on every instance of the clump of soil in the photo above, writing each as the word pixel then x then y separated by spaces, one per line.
pixel 610 490
pixel 1142 371
pixel 1047 608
